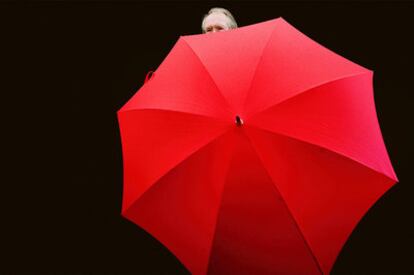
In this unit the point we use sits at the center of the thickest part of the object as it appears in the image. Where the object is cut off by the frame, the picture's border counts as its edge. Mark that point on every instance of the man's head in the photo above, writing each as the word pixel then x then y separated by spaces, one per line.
pixel 218 19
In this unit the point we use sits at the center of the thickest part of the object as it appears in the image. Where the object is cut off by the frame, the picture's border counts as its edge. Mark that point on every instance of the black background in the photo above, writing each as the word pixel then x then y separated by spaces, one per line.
pixel 69 66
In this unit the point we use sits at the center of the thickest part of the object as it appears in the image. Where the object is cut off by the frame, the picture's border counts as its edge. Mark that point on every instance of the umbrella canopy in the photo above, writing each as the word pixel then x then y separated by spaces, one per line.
pixel 253 151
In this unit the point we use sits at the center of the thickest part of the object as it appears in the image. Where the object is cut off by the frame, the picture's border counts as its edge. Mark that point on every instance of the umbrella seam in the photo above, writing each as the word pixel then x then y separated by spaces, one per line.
pixel 257 66
pixel 287 207
pixel 175 111
pixel 208 72
pixel 125 212
pixel 322 147
pixel 321 84
pixel 217 217
pixel 175 165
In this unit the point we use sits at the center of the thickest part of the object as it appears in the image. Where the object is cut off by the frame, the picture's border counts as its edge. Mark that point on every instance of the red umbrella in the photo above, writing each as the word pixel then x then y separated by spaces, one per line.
pixel 253 151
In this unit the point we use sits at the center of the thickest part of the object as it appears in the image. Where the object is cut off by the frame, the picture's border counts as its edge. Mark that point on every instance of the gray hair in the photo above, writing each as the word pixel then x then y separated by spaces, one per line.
pixel 232 24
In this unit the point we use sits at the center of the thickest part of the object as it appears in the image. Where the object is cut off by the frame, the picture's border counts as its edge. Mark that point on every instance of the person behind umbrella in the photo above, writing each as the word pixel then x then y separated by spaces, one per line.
pixel 218 19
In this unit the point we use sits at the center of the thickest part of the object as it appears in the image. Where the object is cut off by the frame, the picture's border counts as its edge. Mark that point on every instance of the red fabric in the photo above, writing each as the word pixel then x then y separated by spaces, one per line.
pixel 281 190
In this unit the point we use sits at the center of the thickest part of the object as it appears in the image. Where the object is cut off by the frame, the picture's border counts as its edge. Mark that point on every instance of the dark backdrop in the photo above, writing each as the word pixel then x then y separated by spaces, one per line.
pixel 69 66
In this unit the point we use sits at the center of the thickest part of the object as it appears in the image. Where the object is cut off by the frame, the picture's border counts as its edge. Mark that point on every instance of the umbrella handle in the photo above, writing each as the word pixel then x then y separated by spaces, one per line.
pixel 149 75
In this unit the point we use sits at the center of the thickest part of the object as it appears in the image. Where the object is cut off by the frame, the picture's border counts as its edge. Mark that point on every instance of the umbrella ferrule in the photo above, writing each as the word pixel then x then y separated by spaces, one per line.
pixel 239 121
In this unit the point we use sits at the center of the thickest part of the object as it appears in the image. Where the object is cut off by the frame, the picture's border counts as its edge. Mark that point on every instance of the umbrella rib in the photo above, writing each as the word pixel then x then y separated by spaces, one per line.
pixel 312 88
pixel 211 77
pixel 174 166
pixel 287 207
pixel 176 111
pixel 257 66
pixel 322 147
pixel 216 221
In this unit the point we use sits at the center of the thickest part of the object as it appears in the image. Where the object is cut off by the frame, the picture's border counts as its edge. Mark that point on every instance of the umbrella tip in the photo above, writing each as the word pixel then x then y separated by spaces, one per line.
pixel 239 121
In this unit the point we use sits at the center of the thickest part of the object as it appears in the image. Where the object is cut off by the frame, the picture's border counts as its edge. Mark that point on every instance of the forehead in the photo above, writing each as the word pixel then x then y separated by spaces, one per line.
pixel 216 18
